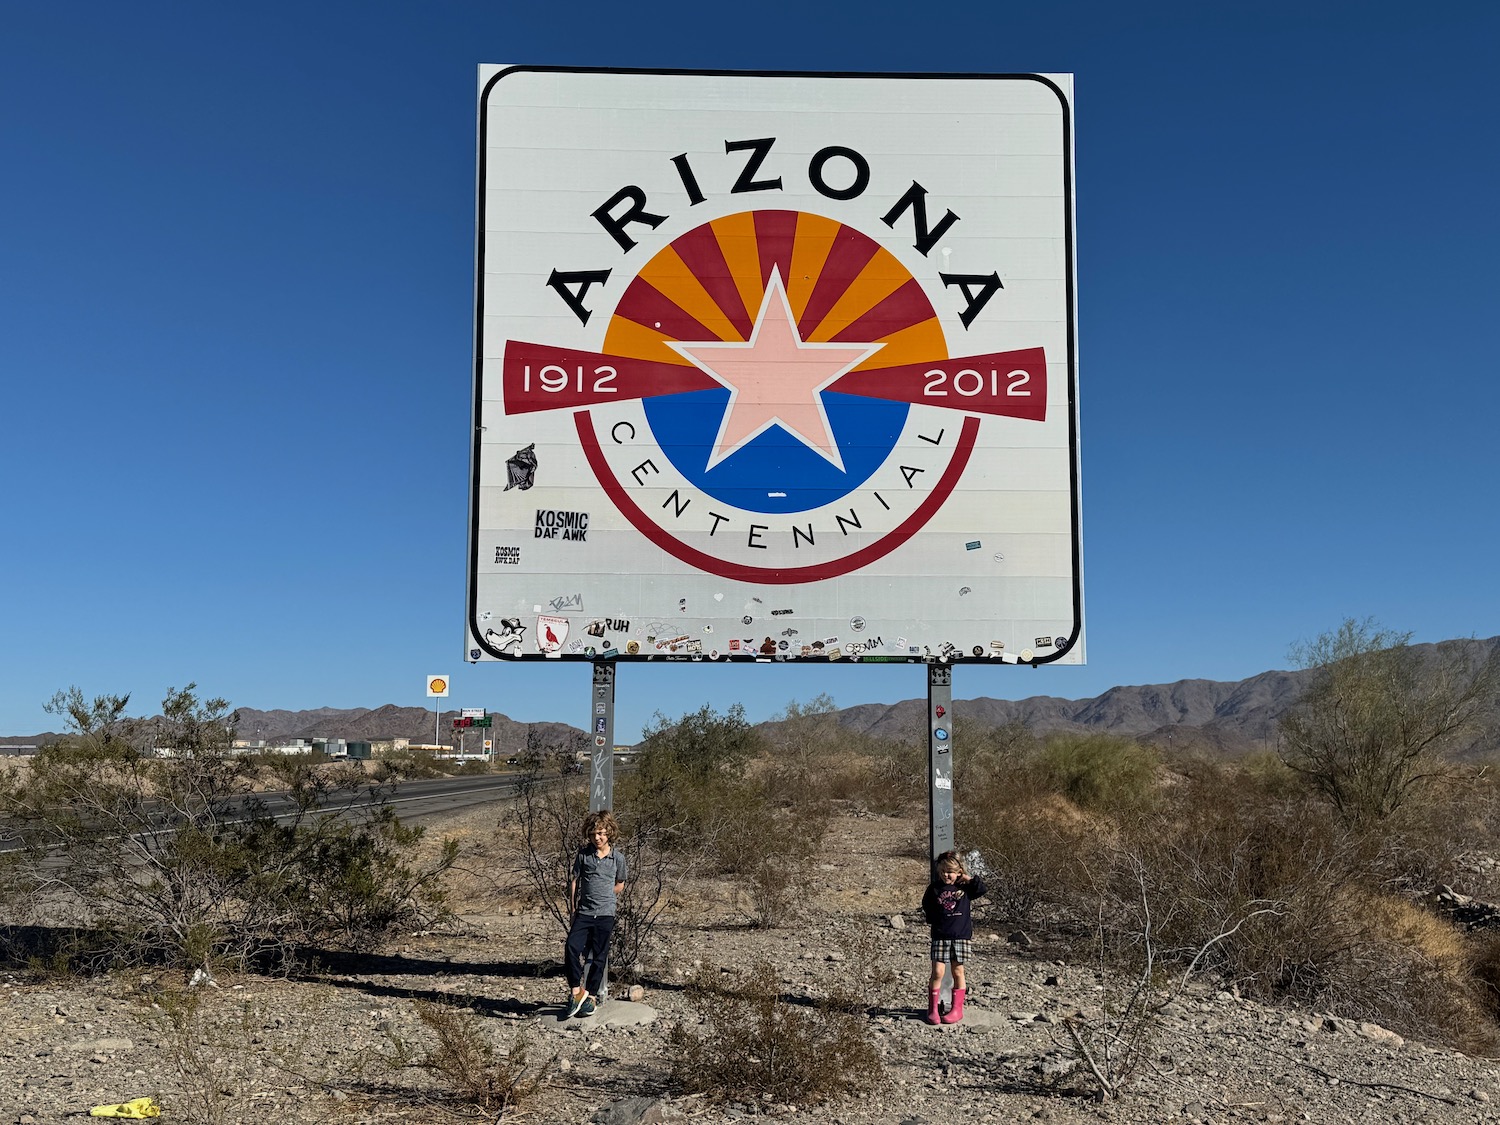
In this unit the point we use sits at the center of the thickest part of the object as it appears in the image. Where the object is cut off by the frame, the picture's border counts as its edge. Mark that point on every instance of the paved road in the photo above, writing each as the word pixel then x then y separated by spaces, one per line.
pixel 412 800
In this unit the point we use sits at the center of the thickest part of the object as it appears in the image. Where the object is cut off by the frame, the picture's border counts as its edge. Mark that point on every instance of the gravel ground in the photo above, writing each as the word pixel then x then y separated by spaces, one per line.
pixel 312 1049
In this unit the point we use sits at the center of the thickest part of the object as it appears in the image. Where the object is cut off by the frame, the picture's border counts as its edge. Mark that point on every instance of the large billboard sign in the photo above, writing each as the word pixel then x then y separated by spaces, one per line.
pixel 775 366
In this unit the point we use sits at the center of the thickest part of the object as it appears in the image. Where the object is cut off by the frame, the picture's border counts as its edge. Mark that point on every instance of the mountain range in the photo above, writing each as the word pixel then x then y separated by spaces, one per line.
pixel 1233 718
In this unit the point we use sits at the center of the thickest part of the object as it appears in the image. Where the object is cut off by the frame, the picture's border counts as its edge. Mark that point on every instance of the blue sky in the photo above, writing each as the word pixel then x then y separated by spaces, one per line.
pixel 236 270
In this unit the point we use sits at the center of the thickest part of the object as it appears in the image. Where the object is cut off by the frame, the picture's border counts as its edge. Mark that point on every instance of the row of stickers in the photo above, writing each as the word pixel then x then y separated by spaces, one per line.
pixel 551 632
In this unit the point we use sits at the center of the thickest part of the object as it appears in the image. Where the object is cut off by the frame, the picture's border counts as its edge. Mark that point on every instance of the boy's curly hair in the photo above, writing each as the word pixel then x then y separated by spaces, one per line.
pixel 601 818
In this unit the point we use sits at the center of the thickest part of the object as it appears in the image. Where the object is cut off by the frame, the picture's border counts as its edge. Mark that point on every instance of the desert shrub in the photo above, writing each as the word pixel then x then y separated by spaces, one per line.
pixel 765 847
pixel 772 889
pixel 868 978
pixel 182 857
pixel 798 745
pixel 844 776
pixel 985 751
pixel 1271 777
pixel 474 1073
pixel 1240 869
pixel 754 1044
pixel 1308 909
pixel 406 765
pixel 470 769
pixel 688 772
pixel 1039 852
pixel 896 779
pixel 1042 813
pixel 1098 771
pixel 341 883
pixel 751 830
pixel 1483 953
pixel 811 760
pixel 1379 721
pixel 196 1056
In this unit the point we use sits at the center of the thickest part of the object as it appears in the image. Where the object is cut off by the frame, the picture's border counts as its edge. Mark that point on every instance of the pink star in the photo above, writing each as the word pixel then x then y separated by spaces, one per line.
pixel 775 379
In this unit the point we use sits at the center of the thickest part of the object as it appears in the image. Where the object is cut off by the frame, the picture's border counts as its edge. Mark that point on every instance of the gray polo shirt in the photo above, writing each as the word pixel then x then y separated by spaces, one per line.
pixel 596 878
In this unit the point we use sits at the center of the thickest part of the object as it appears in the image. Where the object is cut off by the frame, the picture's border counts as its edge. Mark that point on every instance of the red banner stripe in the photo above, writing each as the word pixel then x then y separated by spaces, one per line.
pixel 542 377
pixel 1011 384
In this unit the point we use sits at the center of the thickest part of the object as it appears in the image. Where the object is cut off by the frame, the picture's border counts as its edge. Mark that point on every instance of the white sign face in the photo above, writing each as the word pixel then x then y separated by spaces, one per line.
pixel 775 367
pixel 473 712
pixel 438 686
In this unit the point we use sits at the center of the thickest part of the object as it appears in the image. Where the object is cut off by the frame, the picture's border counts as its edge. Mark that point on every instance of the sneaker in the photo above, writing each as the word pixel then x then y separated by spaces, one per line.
pixel 575 1003
pixel 587 1007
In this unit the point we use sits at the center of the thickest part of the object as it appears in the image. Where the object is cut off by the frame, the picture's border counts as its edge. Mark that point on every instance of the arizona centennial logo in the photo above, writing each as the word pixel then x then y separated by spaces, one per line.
pixel 776 377
pixel 750 345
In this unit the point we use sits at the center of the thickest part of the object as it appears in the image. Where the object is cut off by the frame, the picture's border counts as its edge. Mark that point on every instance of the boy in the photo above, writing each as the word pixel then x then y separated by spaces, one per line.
pixel 599 873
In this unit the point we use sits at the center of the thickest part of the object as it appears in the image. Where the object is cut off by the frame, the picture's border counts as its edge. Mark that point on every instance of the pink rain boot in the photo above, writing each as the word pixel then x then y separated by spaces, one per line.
pixel 932 1006
pixel 956 1012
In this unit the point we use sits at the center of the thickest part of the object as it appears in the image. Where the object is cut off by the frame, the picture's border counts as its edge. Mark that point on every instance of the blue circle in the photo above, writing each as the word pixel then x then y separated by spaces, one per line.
pixel 776 472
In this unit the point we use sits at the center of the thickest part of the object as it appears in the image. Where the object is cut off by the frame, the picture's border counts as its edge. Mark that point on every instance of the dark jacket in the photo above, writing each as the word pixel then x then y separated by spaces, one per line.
pixel 946 908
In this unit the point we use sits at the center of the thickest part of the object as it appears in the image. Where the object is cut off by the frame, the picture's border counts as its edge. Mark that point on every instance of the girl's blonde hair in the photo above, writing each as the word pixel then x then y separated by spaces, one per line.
pixel 951 861
pixel 604 819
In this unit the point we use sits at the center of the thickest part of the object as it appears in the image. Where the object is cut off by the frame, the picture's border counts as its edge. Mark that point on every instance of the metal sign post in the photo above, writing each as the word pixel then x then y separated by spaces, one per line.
pixel 940 775
pixel 940 756
pixel 602 723
pixel 438 688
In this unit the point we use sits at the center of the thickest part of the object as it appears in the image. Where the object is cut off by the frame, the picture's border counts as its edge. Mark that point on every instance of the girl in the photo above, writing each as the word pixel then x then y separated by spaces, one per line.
pixel 946 907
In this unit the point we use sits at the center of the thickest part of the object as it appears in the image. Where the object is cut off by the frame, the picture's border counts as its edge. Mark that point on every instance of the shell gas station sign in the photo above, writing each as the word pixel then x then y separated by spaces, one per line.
pixel 775 366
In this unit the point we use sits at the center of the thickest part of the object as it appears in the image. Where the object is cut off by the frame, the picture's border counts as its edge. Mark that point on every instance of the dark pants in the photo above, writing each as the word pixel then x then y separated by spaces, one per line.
pixel 588 940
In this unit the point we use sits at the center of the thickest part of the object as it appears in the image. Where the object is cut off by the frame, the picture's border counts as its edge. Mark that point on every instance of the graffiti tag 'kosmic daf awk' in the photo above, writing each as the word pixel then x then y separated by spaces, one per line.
pixel 724 355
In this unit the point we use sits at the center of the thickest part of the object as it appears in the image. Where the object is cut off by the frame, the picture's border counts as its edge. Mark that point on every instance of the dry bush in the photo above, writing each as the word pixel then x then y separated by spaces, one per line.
pixel 478 1077
pixel 754 1044
pixel 1039 851
pixel 811 760
pixel 1299 905
pixel 195 1057
pixel 772 889
pixel 750 830
pixel 838 774
pixel 1102 772
pixel 896 780
pixel 1418 975
pixel 156 836
pixel 212 1048
pixel 1379 722
pixel 1326 925
pixel 770 851
pixel 1042 814
pixel 1483 951
pixel 1268 775
pixel 867 979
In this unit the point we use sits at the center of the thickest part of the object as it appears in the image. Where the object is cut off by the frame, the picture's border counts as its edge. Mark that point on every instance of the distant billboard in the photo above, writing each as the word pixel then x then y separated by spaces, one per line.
pixel 774 366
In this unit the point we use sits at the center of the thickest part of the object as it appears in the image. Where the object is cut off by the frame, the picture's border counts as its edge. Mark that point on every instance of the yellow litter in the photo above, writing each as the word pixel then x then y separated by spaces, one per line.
pixel 140 1107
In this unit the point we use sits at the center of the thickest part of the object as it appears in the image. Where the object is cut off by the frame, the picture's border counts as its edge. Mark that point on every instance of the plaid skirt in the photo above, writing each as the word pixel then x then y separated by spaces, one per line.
pixel 950 951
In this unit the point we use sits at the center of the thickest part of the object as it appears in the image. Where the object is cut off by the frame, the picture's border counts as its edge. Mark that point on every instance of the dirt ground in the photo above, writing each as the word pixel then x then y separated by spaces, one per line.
pixel 326 1046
